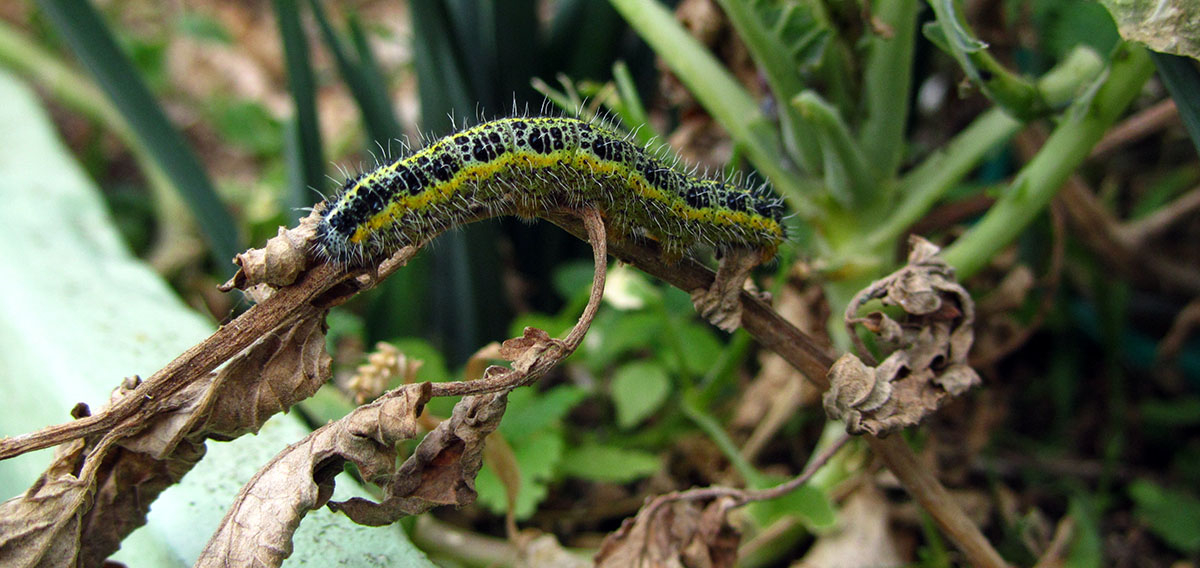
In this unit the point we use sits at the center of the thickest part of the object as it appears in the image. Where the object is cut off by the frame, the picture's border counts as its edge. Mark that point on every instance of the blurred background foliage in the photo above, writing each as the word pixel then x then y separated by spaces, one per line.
pixel 209 124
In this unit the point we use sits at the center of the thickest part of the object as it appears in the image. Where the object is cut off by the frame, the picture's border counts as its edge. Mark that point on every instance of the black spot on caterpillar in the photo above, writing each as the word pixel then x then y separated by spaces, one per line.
pixel 527 166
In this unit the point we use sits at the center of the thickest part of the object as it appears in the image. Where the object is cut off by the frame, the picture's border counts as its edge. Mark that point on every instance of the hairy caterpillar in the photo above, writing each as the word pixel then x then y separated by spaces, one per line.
pixel 523 166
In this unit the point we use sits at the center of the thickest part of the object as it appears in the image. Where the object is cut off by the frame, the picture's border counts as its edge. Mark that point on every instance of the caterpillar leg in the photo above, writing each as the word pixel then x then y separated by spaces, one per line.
pixel 719 303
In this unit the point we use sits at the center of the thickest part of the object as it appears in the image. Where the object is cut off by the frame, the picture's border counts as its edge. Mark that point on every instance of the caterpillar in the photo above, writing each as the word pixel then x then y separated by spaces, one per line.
pixel 524 166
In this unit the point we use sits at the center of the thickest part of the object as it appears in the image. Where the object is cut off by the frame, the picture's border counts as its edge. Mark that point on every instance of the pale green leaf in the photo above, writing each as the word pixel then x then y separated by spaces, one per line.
pixel 609 463
pixel 639 389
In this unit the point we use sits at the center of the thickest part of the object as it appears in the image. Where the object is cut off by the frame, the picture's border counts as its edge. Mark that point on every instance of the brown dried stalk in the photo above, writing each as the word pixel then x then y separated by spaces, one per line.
pixel 806 355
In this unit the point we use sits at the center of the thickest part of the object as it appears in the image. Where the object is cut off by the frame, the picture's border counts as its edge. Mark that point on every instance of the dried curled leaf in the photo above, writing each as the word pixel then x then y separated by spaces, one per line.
pixel 675 535
pixel 283 367
pixel 258 529
pixel 441 471
pixel 721 302
pixel 42 527
pixel 278 263
pixel 931 343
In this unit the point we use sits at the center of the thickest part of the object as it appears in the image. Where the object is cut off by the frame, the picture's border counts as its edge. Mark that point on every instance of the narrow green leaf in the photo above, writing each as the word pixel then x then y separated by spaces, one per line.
pixel 639 389
pixel 847 173
pixel 609 463
pixel 887 86
pixel 772 56
pixel 306 162
pixel 365 83
pixel 632 111
pixel 1183 81
pixel 441 74
pixel 1172 515
pixel 92 42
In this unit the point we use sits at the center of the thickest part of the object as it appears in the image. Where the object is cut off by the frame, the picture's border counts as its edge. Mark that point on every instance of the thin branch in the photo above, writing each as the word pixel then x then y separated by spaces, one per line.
pixel 1136 127
pixel 807 356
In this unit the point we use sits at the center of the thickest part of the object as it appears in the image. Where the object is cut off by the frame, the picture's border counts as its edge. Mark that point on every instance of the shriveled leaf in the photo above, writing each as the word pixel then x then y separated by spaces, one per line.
pixel 678 534
pixel 639 389
pixel 609 463
pixel 441 471
pixel 929 363
pixel 42 527
pixel 258 529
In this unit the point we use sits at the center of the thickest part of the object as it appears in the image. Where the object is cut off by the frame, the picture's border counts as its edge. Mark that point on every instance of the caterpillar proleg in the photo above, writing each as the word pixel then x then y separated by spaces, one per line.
pixel 523 166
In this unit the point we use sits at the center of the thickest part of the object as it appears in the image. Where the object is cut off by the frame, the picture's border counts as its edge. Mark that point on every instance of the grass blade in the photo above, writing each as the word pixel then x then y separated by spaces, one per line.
pixel 92 42
pixel 306 163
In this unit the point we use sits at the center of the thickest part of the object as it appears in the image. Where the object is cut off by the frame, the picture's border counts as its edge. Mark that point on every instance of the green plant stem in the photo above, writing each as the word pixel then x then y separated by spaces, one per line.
pixel 1016 94
pixel 1084 124
pixel 799 134
pixel 848 176
pixel 887 83
pixel 719 93
pixel 691 405
pixel 929 181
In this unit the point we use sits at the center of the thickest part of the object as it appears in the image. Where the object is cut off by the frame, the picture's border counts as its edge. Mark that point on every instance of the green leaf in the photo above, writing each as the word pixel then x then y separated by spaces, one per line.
pixel 247 125
pixel 1182 81
pixel 1087 548
pixel 538 458
pixel 700 348
pixel 771 53
pixel 609 463
pixel 848 176
pixel 93 43
pixel 887 86
pixel 306 161
pixel 204 27
pixel 1170 514
pixel 616 334
pixel 639 389
pixel 812 505
pixel 1169 26
pixel 530 412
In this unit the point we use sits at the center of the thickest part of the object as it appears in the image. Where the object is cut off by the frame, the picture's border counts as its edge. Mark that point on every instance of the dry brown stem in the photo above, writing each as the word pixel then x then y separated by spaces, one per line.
pixel 1125 247
pixel 807 356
